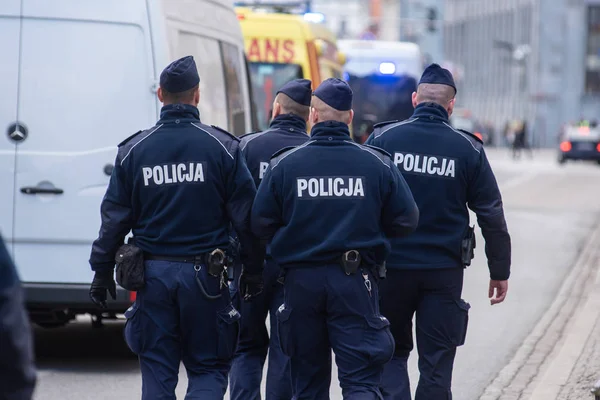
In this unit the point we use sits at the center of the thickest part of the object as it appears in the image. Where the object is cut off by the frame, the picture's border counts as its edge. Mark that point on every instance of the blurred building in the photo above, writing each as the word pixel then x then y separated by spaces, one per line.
pixel 532 60
pixel 537 60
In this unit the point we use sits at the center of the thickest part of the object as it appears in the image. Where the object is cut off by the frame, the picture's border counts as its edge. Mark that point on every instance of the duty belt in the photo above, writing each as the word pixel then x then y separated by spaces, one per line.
pixel 215 261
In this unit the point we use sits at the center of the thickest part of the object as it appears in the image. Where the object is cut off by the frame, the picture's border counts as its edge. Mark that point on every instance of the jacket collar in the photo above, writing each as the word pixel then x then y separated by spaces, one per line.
pixel 431 111
pixel 178 112
pixel 330 129
pixel 289 122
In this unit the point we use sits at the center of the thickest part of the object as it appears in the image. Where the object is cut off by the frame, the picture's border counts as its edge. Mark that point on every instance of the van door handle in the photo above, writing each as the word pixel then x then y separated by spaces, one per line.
pixel 39 190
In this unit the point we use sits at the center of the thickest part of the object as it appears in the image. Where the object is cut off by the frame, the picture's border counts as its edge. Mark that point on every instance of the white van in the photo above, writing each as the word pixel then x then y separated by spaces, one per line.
pixel 78 77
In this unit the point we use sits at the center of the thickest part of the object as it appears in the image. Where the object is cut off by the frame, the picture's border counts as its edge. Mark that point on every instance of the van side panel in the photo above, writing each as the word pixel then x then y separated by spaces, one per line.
pixel 85 86
pixel 9 70
pixel 213 18
pixel 10 8
pixel 209 30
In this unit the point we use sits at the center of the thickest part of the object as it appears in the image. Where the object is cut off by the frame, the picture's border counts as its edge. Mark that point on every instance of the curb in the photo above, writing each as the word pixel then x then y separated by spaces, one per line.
pixel 576 336
pixel 521 372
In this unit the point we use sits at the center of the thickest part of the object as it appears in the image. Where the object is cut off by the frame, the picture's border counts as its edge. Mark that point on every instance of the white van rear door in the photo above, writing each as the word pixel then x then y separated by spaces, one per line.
pixel 85 86
pixel 11 132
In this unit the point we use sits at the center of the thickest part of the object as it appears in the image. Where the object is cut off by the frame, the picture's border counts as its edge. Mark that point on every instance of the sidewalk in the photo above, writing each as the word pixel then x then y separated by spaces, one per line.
pixel 586 372
pixel 560 359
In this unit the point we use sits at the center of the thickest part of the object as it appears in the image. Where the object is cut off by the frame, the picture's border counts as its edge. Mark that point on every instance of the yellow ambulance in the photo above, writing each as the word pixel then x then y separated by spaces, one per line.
pixel 284 46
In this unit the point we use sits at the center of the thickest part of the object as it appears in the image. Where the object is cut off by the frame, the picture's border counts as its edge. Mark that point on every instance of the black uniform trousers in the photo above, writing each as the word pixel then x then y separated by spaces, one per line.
pixel 434 295
pixel 173 321
pixel 326 309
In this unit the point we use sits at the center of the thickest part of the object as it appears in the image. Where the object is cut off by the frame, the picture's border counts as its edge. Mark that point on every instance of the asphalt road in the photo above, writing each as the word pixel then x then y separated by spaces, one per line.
pixel 550 210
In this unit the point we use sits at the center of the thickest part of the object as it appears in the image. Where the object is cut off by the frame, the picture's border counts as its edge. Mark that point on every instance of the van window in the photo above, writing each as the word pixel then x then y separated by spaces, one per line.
pixel 267 78
pixel 207 54
pixel 251 93
pixel 381 98
pixel 235 96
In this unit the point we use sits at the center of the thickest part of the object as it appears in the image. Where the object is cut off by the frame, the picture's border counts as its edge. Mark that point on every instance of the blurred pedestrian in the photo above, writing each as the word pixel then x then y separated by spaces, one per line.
pixel 508 134
pixel 17 368
pixel 371 33
pixel 521 141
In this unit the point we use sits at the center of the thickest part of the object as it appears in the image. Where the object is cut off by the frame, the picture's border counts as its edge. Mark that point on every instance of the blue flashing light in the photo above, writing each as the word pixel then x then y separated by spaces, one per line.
pixel 387 68
pixel 317 18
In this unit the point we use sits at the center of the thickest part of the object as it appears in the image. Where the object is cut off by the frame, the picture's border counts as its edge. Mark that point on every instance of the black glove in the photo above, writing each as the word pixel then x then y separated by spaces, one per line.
pixel 103 282
pixel 251 285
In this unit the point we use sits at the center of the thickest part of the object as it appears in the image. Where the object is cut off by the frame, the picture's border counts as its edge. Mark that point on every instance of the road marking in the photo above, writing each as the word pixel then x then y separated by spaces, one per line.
pixel 536 350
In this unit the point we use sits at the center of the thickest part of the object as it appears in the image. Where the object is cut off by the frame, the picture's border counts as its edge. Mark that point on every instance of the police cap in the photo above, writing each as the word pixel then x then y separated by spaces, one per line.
pixel 335 93
pixel 298 90
pixel 437 75
pixel 180 75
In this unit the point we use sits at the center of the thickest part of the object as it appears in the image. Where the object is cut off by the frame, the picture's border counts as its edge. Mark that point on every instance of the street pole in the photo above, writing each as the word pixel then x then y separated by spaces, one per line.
pixel 404 16
pixel 425 14
pixel 432 41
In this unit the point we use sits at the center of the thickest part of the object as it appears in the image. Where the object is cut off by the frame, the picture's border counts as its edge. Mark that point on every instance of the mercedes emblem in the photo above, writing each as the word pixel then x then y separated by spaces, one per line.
pixel 17 132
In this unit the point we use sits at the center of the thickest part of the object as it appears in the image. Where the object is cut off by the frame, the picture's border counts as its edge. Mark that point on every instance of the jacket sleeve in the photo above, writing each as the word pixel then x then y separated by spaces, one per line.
pixel 485 200
pixel 117 220
pixel 400 215
pixel 17 368
pixel 240 197
pixel 266 213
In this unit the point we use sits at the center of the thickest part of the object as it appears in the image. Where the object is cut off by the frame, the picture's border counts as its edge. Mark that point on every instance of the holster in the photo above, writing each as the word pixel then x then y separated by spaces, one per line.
pixel 468 247
pixel 216 262
pixel 130 267
pixel 350 261
pixel 233 256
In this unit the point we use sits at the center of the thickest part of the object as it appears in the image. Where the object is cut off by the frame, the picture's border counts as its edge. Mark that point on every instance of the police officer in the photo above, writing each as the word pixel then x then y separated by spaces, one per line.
pixel 448 172
pixel 17 369
pixel 291 110
pixel 328 206
pixel 178 186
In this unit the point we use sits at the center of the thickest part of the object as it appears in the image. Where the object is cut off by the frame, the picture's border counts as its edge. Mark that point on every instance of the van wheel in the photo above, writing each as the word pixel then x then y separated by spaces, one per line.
pixel 97 321
pixel 561 160
pixel 50 319
pixel 50 325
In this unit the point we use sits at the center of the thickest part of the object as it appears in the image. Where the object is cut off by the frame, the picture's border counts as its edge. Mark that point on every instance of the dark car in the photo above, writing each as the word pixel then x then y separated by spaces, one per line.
pixel 580 143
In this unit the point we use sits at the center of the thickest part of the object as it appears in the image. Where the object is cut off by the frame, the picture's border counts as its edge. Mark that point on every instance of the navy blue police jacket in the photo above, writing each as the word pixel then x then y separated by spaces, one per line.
pixel 285 130
pixel 331 195
pixel 448 172
pixel 17 369
pixel 178 187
